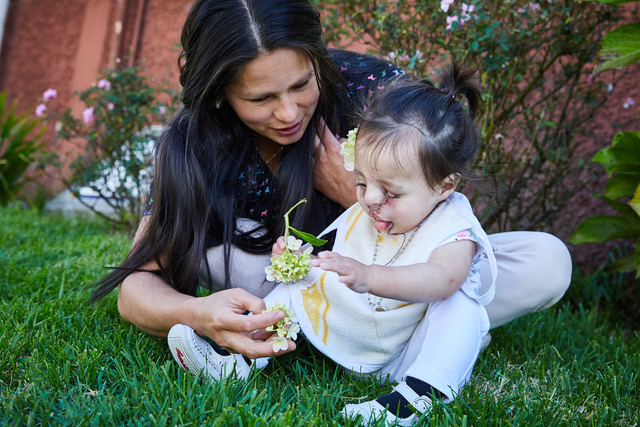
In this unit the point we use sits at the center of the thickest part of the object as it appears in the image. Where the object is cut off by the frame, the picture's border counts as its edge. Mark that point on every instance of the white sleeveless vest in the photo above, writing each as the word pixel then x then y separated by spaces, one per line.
pixel 363 332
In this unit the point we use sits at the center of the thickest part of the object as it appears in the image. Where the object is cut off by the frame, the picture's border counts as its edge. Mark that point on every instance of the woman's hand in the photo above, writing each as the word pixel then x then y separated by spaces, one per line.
pixel 329 175
pixel 221 317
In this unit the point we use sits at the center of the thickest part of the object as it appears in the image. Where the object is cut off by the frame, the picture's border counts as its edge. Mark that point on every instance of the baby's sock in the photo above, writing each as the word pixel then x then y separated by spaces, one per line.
pixel 398 405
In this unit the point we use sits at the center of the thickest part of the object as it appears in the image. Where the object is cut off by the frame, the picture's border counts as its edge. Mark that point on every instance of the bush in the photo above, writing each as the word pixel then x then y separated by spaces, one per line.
pixel 536 66
pixel 115 139
pixel 620 48
pixel 18 148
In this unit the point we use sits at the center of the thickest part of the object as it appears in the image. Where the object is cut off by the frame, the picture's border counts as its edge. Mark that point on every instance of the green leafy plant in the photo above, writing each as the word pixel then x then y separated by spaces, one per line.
pixel 292 265
pixel 619 48
pixel 18 147
pixel 536 65
pixel 114 141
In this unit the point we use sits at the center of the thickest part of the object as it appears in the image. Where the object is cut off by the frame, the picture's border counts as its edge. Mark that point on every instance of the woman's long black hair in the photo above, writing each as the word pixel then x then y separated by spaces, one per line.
pixel 203 150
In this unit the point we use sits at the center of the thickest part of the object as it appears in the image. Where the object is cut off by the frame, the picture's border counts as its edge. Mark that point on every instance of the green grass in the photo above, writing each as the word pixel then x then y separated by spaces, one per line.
pixel 63 362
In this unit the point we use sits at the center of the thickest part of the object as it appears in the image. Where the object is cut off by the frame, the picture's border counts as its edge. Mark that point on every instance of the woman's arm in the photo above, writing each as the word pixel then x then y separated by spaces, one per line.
pixel 431 281
pixel 148 302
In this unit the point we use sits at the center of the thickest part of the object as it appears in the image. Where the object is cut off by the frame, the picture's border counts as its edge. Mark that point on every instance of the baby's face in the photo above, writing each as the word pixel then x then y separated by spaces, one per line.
pixel 393 190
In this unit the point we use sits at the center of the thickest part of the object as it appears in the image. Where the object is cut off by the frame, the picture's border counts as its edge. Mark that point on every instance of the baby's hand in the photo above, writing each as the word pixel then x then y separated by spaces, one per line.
pixel 278 247
pixel 352 273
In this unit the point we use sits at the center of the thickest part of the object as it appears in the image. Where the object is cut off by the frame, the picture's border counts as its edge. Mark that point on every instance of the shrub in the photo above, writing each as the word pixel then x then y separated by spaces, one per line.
pixel 18 147
pixel 619 48
pixel 115 139
pixel 535 62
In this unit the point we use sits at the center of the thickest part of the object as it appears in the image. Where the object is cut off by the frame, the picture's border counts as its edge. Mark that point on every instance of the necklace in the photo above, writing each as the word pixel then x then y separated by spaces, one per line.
pixel 376 301
pixel 274 155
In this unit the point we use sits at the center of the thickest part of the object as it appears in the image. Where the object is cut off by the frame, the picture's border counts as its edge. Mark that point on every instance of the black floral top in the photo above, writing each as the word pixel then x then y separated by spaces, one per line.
pixel 364 75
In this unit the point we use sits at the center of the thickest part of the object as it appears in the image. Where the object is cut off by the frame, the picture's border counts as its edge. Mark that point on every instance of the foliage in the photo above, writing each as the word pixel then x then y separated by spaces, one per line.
pixel 64 362
pixel 18 147
pixel 116 140
pixel 535 62
pixel 620 48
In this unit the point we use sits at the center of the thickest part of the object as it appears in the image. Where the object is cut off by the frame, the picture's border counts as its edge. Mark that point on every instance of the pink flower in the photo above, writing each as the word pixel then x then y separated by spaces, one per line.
pixel 40 109
pixel 444 5
pixel 49 94
pixel 110 106
pixel 87 115
pixel 104 84
pixel 628 103
pixel 450 21
pixel 162 109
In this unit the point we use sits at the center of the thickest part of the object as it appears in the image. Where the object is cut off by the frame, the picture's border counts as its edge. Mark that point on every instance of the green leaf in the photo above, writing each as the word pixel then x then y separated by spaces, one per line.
pixel 309 238
pixel 612 2
pixel 620 47
pixel 622 185
pixel 602 228
pixel 624 154
pixel 635 201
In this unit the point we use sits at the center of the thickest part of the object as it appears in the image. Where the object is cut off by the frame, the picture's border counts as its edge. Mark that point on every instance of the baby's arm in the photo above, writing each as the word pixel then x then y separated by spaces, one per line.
pixel 431 281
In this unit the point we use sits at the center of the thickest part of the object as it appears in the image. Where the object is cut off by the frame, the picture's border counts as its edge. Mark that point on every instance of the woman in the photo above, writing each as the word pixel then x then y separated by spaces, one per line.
pixel 263 101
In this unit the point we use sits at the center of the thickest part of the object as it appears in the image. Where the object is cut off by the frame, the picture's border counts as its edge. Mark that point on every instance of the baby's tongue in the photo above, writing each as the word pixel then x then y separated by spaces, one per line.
pixel 382 225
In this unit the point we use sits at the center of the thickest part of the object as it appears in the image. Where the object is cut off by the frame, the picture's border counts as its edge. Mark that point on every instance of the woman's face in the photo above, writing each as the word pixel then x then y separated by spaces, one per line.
pixel 275 95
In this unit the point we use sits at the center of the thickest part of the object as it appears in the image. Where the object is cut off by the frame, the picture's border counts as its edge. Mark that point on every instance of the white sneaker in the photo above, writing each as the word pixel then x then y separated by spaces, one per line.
pixel 372 411
pixel 194 354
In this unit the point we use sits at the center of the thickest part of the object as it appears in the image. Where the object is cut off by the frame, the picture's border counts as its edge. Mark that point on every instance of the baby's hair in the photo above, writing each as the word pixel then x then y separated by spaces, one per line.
pixel 418 116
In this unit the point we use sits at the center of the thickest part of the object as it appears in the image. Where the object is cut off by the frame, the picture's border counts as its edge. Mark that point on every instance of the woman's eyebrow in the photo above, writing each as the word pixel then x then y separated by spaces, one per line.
pixel 301 80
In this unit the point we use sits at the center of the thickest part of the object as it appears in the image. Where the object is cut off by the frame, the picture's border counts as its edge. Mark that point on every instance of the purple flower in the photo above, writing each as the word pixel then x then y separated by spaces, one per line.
pixel 49 94
pixel 628 103
pixel 110 106
pixel 162 109
pixel 87 115
pixel 104 84
pixel 444 5
pixel 450 21
pixel 40 109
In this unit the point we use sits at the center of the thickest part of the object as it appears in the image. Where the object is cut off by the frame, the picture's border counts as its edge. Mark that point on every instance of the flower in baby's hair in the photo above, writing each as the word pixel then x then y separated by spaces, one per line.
pixel 104 84
pixel 290 267
pixel 444 5
pixel 349 148
pixel 40 109
pixel 286 329
pixel 49 94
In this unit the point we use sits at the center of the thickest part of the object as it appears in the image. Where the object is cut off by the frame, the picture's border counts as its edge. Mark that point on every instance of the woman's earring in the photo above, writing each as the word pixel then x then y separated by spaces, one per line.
pixel 218 103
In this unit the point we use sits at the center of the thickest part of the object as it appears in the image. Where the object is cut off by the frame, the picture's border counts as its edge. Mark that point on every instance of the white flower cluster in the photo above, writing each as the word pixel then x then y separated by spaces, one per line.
pixel 290 267
pixel 287 328
pixel 349 148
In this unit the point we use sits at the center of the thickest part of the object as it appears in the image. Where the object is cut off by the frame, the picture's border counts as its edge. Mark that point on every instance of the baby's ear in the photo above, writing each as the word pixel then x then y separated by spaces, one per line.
pixel 448 185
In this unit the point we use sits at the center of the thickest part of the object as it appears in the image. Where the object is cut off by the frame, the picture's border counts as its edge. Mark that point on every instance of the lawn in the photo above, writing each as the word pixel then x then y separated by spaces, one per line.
pixel 65 362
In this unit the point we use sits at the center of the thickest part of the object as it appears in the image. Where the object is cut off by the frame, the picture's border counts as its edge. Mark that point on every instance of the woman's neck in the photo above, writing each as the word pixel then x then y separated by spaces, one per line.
pixel 270 152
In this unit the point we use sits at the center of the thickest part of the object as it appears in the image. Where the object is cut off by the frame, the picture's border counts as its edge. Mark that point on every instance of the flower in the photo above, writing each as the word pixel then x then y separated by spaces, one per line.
pixel 628 103
pixel 286 329
pixel 40 109
pixel 348 149
pixel 450 21
pixel 104 84
pixel 279 343
pixel 110 106
pixel 289 267
pixel 444 5
pixel 87 115
pixel 162 109
pixel 49 94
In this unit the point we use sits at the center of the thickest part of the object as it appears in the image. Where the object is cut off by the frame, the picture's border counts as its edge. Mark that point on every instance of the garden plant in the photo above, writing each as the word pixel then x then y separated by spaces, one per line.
pixel 112 144
pixel 536 63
